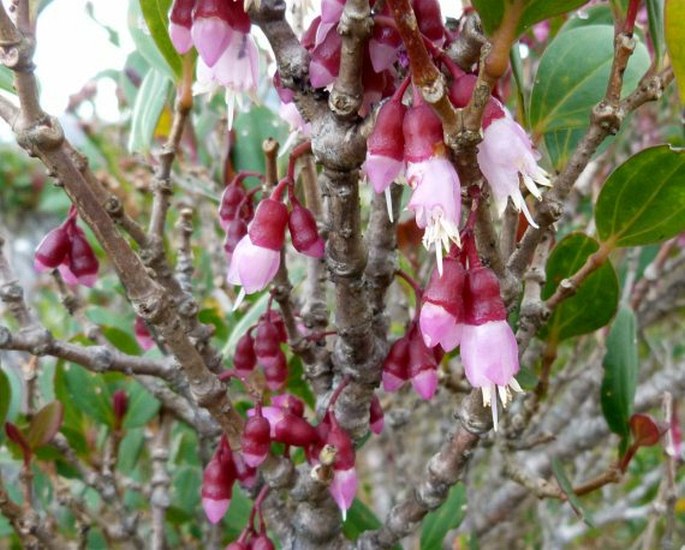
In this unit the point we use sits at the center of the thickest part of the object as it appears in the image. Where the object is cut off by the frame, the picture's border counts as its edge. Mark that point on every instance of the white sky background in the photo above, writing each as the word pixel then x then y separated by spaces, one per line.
pixel 72 49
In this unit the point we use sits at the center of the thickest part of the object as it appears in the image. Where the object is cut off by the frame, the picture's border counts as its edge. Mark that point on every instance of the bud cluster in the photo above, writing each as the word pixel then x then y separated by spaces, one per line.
pixel 66 249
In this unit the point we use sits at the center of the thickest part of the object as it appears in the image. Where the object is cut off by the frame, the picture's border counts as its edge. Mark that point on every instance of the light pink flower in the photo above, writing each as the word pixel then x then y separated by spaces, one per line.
pixel 343 488
pixel 441 314
pixel 252 266
pixel 211 30
pixel 180 21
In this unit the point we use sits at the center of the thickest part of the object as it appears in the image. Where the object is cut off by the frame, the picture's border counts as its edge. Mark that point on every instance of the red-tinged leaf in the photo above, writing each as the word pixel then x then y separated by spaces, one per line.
pixel 15 435
pixel 645 430
pixel 45 424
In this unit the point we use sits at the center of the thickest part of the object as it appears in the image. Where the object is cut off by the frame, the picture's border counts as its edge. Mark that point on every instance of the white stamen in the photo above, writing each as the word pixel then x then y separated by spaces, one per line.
pixel 239 299
pixel 388 203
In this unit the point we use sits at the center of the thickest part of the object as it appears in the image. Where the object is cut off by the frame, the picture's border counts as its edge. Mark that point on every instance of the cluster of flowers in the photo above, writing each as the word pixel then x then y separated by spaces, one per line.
pixel 263 350
pixel 66 249
pixel 460 307
pixel 220 31
pixel 257 255
pixel 283 422
pixel 408 142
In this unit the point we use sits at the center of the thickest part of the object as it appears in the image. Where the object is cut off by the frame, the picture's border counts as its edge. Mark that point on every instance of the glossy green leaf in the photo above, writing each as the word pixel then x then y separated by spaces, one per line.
pixel 643 200
pixel 571 79
pixel 251 129
pixel 89 393
pixel 599 14
pixel 594 303
pixel 674 32
pixel 145 44
pixel 150 100
pixel 447 517
pixel 360 518
pixel 620 373
pixel 142 407
pixel 155 13
pixel 5 396
pixel 567 488
pixel 492 11
pixel 45 424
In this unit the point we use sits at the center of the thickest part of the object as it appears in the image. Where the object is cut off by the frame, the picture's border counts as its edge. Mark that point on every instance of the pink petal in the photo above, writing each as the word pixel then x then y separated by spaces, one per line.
pixel 343 488
pixel 215 509
pixel 211 36
pixel 425 383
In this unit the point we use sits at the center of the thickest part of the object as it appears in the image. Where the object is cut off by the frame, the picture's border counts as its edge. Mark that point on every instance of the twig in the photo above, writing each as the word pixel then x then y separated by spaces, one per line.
pixel 159 499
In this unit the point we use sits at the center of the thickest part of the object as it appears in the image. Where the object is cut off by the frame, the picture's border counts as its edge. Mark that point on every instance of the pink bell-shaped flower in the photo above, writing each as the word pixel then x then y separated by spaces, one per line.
pixel 255 440
pixel 257 256
pixel 436 200
pixel 244 359
pixel 275 370
pixel 422 366
pixel 325 62
pixel 384 44
pixel 53 249
pixel 288 428
pixel 385 146
pixel 303 231
pixel 343 488
pixel 396 365
pixel 289 403
pixel 441 314
pixel 180 22
pixel 489 350
pixel 211 30
pixel 82 266
pixel 217 483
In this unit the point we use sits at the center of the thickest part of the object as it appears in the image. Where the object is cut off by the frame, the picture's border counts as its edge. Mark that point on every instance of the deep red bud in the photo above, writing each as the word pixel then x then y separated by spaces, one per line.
pixel 323 428
pixel 52 250
pixel 181 12
pixel 235 231
pixel 218 477
pixel 325 63
pixel 256 440
pixel 422 132
pixel 82 261
pixel 420 356
pixel 288 402
pixel 245 359
pixel 338 438
pixel 212 8
pixel 387 138
pixel 236 545
pixel 119 405
pixel 447 291
pixel 275 370
pixel 262 542
pixel 268 226
pixel 460 94
pixel 276 320
pixel 482 300
pixel 396 365
pixel 295 431
pixel 246 474
pixel 376 415
pixel 231 199
pixel 267 340
pixel 305 235
pixel 238 18
pixel 430 19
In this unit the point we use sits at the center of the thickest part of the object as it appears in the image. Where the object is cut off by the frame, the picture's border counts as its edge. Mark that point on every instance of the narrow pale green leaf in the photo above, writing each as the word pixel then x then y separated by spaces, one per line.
pixel 150 101
pixel 155 13
pixel 144 42
pixel 142 407
pixel 571 79
pixel 594 303
pixel 655 13
pixel 643 200
pixel 492 11
pixel 567 488
pixel 674 32
pixel 620 373
pixel 5 396
pixel 45 424
pixel 447 517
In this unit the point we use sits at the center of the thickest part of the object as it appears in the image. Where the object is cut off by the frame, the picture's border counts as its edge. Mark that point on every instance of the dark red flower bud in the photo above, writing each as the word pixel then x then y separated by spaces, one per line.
pixel 376 416
pixel 244 359
pixel 262 542
pixel 304 233
pixel 268 226
pixel 289 403
pixel 52 250
pixel 422 366
pixel 276 320
pixel 430 19
pixel 236 545
pixel 217 483
pixel 446 290
pixel 422 132
pixel 231 199
pixel 275 370
pixel 338 438
pixel 482 300
pixel 120 406
pixel 246 475
pixel 387 138
pixel 255 441
pixel 81 260
pixel 396 365
pixel 295 431
pixel 267 340
pixel 325 62
pixel 235 230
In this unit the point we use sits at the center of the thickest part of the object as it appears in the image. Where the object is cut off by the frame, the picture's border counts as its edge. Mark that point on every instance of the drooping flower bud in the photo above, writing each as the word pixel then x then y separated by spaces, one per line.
pixel 180 21
pixel 442 306
pixel 376 416
pixel 325 63
pixel 385 146
pixel 255 440
pixel 289 402
pixel 303 231
pixel 267 340
pixel 235 231
pixel 217 483
pixel 343 488
pixel 430 21
pixel 119 407
pixel 231 199
pixel 244 359
pixel 262 542
pixel 268 226
pixel 275 370
pixel 82 264
pixel 384 45
pixel 422 366
pixel 52 250
pixel 246 475
pixel 489 350
pixel 210 29
pixel 142 334
pixel 396 365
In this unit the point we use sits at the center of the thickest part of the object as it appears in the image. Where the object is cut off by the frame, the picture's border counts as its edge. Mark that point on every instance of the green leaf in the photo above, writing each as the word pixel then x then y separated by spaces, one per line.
pixel 620 373
pixel 155 14
pixel 251 129
pixel 296 383
pixel 145 43
pixel 567 488
pixel 571 79
pixel 150 101
pixel 674 32
pixel 142 407
pixel 90 394
pixel 655 13
pixel 122 340
pixel 594 303
pixel 492 11
pixel 5 396
pixel 360 518
pixel 249 319
pixel 643 200
pixel 45 424
pixel 7 80
pixel 447 517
